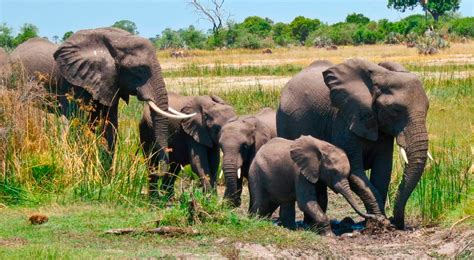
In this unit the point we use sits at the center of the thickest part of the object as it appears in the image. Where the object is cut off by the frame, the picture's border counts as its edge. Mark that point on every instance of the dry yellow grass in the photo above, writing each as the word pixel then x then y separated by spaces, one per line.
pixel 458 54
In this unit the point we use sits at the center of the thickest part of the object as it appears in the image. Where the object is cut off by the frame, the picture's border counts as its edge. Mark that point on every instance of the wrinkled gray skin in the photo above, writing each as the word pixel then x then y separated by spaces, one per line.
pixel 34 61
pixel 5 68
pixel 286 171
pixel 192 141
pixel 105 64
pixel 239 140
pixel 361 107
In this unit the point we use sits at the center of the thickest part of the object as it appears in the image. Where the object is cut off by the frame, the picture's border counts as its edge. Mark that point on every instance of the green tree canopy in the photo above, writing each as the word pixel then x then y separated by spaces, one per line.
pixel 126 25
pixel 357 18
pixel 27 31
pixel 6 37
pixel 67 35
pixel 258 25
pixel 435 7
pixel 301 27
pixel 282 34
pixel 193 39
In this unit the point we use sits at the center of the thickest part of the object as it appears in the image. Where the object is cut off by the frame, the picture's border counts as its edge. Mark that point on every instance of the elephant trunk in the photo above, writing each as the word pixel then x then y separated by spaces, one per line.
pixel 416 144
pixel 233 190
pixel 343 188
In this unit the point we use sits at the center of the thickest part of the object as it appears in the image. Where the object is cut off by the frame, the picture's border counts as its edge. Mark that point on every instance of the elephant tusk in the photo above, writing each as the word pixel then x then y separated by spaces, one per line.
pixel 403 153
pixel 220 174
pixel 429 155
pixel 164 113
pixel 176 112
pixel 239 173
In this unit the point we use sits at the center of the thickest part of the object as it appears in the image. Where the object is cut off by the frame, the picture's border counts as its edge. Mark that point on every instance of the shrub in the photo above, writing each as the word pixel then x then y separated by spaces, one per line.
pixel 463 27
pixel 364 36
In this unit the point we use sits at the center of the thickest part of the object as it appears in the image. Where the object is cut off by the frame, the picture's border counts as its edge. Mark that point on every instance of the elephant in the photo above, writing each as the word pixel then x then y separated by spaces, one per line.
pixel 285 171
pixel 33 61
pixel 361 107
pixel 191 141
pixel 239 140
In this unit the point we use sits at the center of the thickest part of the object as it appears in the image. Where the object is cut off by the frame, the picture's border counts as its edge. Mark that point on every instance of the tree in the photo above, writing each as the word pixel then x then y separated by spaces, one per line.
pixel 357 18
pixel 126 25
pixel 301 27
pixel 67 35
pixel 258 25
pixel 169 39
pixel 56 39
pixel 27 31
pixel 212 11
pixel 282 34
pixel 193 39
pixel 435 7
pixel 6 38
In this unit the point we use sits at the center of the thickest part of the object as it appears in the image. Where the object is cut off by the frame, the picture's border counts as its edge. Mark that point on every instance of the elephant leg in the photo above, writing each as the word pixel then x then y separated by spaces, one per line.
pixel 321 198
pixel 168 180
pixel 382 170
pixel 111 126
pixel 307 202
pixel 198 155
pixel 214 160
pixel 287 215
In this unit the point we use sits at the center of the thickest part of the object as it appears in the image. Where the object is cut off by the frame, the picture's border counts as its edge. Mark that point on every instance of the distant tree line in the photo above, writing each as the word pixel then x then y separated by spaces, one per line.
pixel 258 32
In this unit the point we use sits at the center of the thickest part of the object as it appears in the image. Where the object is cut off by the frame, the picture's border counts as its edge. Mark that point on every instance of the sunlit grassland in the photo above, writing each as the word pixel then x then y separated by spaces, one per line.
pixel 59 169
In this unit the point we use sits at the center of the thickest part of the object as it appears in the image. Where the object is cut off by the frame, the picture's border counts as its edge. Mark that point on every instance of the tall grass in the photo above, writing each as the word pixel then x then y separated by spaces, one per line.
pixel 43 159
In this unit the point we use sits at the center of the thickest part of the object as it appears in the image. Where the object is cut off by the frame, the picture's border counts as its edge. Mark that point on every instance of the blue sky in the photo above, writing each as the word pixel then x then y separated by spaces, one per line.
pixel 54 17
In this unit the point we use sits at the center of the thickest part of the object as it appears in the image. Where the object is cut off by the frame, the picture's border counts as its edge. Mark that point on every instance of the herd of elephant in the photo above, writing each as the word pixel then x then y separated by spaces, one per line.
pixel 333 123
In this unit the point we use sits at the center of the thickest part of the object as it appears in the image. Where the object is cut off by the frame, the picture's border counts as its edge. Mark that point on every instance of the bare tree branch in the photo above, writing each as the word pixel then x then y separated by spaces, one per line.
pixel 211 11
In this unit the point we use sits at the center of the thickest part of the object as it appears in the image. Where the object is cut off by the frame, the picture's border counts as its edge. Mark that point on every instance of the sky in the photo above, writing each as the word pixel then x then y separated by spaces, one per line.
pixel 54 17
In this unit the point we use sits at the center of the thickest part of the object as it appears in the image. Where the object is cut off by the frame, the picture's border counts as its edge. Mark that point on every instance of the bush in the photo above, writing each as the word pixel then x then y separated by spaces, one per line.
pixel 463 27
pixel 364 36
pixel 431 44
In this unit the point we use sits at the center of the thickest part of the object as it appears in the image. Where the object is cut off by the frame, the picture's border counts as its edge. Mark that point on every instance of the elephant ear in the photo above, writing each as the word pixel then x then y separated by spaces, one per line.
pixel 262 134
pixel 351 91
pixel 196 126
pixel 307 157
pixel 85 60
pixel 393 66
pixel 218 99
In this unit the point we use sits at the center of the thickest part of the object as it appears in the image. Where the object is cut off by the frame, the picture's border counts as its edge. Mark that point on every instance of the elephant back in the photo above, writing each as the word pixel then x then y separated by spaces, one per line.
pixel 35 59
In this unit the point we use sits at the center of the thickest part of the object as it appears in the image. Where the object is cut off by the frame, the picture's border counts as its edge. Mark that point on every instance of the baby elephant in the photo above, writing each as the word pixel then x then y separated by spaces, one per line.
pixel 285 171
pixel 239 140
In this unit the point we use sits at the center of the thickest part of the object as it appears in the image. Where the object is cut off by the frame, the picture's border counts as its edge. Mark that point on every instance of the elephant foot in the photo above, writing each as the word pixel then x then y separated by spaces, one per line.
pixel 327 232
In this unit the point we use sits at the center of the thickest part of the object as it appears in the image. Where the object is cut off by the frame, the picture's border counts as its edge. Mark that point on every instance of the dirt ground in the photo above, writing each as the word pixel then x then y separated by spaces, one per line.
pixel 414 242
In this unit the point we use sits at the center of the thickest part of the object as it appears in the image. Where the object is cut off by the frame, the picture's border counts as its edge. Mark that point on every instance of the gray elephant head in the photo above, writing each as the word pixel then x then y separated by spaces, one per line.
pixel 109 64
pixel 321 161
pixel 239 141
pixel 384 98
pixel 212 113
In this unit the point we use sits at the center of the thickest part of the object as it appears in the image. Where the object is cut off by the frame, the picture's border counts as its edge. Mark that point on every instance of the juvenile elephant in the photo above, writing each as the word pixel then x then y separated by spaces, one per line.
pixel 191 141
pixel 239 140
pixel 285 171
pixel 361 107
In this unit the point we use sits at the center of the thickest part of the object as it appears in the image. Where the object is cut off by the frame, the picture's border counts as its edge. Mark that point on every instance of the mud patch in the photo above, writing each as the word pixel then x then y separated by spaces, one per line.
pixel 13 242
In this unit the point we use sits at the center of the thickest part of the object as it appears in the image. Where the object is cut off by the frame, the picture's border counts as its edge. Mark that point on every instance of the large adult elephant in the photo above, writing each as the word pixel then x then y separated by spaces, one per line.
pixel 106 64
pixel 239 140
pixel 33 61
pixel 191 141
pixel 361 107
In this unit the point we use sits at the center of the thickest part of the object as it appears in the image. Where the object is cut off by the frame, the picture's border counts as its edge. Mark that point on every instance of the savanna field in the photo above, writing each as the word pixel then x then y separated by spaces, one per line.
pixel 58 170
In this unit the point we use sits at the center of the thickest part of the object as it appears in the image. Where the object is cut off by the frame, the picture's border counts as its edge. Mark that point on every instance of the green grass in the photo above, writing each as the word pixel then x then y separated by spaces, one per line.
pixel 77 231
pixel 69 178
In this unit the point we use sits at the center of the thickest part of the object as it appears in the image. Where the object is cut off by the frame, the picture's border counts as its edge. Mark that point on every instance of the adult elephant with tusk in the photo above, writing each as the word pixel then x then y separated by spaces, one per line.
pixel 240 139
pixel 106 64
pixel 361 107
pixel 191 141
